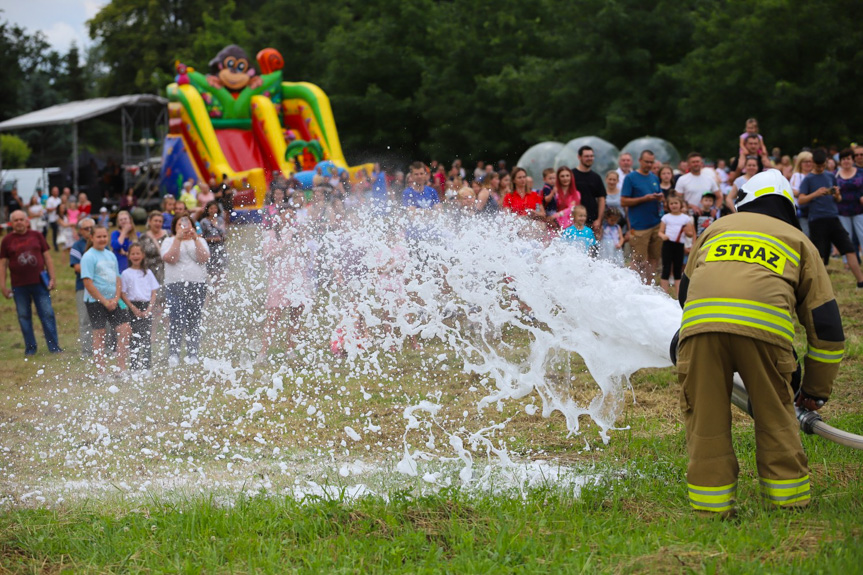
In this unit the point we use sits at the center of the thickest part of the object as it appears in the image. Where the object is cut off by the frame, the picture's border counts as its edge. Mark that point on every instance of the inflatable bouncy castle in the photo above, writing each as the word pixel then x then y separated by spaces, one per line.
pixel 248 127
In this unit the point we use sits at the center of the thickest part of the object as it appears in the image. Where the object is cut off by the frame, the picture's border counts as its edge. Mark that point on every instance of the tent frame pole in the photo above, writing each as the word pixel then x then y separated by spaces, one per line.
pixel 75 157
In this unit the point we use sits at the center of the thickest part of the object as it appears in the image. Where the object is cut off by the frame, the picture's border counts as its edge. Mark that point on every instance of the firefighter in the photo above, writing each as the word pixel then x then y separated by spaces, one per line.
pixel 746 277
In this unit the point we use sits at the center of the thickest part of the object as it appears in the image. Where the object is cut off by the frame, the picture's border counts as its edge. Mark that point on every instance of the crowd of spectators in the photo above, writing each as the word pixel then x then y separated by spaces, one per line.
pixel 128 282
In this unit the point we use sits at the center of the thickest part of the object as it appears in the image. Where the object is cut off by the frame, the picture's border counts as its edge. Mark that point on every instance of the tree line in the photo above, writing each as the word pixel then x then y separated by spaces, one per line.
pixel 483 79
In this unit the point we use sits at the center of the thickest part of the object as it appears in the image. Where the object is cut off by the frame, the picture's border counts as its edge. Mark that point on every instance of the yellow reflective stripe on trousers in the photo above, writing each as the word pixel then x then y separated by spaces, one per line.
pixel 785 491
pixel 716 499
pixel 824 355
pixel 775 242
pixel 740 312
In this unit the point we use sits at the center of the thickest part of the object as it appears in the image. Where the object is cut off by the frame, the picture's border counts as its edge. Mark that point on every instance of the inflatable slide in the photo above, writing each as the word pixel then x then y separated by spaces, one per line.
pixel 234 123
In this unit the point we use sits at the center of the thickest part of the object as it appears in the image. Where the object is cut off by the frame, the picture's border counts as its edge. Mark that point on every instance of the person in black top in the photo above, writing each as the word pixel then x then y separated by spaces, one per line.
pixel 12 203
pixel 591 187
pixel 751 149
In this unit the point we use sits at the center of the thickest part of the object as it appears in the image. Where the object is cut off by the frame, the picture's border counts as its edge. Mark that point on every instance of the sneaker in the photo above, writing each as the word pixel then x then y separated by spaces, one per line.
pixel 191 359
pixel 58 350
pixel 859 285
pixel 174 361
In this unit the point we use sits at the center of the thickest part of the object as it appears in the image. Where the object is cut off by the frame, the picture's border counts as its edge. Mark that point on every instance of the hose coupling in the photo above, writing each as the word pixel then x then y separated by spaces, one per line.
pixel 807 420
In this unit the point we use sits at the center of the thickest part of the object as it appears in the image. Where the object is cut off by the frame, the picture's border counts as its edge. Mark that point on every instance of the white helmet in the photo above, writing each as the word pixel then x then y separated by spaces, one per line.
pixel 768 182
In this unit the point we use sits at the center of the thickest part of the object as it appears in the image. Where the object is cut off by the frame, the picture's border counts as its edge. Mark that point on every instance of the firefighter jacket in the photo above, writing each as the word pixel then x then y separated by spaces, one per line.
pixel 747 274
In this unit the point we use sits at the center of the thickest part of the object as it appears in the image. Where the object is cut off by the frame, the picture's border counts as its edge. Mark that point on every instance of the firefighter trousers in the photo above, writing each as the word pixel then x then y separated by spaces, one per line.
pixel 705 368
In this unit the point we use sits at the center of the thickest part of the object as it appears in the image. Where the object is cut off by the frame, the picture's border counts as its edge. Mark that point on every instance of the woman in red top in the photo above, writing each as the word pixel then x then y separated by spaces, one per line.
pixel 439 179
pixel 84 204
pixel 522 200
pixel 566 195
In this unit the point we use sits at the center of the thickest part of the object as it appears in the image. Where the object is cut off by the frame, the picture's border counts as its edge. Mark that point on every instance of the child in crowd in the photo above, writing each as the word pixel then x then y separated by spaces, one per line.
pixel 549 178
pixel 611 244
pixel 752 130
pixel 74 214
pixel 168 203
pixel 104 218
pixel 66 235
pixel 612 191
pixel 139 293
pixel 579 232
pixel 672 229
pixel 709 213
pixel 103 287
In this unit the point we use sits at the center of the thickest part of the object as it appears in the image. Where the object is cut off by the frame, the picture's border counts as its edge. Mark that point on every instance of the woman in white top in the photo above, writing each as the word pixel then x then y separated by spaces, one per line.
pixel 185 256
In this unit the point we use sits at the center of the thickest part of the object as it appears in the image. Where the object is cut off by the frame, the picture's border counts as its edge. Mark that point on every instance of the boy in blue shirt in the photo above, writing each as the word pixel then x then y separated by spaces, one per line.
pixel 579 233
pixel 419 197
pixel 101 276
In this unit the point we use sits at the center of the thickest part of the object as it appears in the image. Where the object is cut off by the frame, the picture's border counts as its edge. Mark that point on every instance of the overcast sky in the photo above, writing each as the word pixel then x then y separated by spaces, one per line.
pixel 62 21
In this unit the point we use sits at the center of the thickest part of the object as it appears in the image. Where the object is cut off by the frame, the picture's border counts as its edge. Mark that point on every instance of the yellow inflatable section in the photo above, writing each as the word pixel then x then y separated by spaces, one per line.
pixel 265 121
pixel 199 134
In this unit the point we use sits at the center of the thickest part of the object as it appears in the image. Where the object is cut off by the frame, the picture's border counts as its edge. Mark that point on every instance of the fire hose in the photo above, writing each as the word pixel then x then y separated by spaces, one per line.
pixel 810 421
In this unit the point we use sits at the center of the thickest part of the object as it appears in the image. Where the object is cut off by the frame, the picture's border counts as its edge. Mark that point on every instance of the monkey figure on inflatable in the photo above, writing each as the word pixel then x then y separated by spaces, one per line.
pixel 228 89
pixel 231 69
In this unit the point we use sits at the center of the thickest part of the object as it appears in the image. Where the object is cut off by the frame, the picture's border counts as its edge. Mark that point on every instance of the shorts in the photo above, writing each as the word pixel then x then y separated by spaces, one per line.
pixel 646 244
pixel 826 231
pixel 99 315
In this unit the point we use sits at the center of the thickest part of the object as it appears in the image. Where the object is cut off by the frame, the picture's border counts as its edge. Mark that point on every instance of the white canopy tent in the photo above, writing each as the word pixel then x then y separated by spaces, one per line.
pixel 75 112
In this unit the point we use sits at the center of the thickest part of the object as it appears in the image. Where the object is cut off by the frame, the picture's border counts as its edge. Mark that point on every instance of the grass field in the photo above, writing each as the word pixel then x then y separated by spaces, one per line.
pixel 629 516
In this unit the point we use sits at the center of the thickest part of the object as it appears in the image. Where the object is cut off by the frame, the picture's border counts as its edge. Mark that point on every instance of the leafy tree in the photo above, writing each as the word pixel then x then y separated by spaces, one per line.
pixel 792 64
pixel 73 82
pixel 26 60
pixel 216 33
pixel 141 39
pixel 486 79
pixel 16 152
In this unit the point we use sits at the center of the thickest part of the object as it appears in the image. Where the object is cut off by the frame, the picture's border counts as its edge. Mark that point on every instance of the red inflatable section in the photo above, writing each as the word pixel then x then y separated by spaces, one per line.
pixel 243 154
pixel 240 149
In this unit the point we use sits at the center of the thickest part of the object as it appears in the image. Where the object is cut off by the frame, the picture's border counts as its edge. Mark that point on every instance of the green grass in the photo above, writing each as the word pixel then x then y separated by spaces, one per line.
pixel 635 519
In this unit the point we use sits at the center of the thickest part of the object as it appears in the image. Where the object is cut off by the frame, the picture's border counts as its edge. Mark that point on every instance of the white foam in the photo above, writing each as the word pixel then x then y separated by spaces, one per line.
pixel 486 297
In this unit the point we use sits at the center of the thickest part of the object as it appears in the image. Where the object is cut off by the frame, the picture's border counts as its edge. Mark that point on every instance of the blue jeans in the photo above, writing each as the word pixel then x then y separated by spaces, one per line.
pixel 39 295
pixel 185 304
